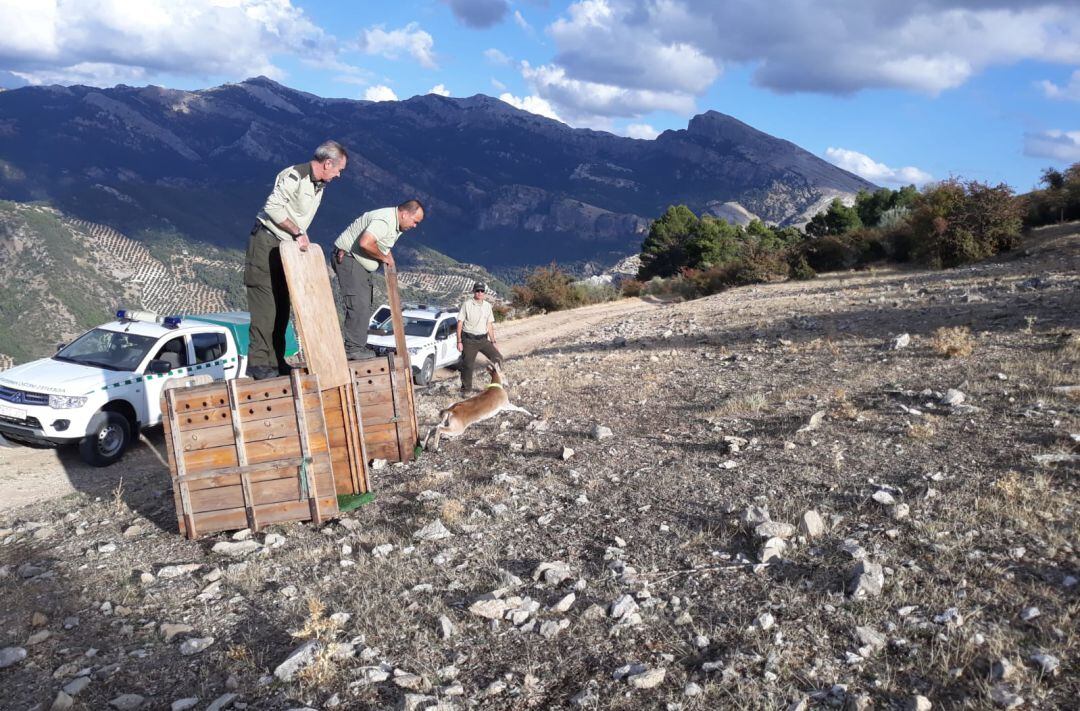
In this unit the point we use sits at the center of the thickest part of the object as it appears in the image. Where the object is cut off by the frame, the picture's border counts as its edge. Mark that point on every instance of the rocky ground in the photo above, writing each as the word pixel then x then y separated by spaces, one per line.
pixel 796 495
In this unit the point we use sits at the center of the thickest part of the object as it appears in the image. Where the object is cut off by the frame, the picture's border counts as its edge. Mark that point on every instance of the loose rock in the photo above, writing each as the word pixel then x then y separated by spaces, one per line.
pixel 434 531
pixel 11 655
pixel 127 702
pixel 867 580
pixel 300 657
pixel 195 645
pixel 811 524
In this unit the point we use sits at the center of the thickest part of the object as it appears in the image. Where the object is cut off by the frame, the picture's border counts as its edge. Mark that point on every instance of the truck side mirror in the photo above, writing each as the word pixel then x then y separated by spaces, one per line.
pixel 158 366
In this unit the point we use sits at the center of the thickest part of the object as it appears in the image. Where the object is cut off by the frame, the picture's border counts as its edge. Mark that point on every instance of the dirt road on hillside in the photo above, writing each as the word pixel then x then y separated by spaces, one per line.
pixel 33 475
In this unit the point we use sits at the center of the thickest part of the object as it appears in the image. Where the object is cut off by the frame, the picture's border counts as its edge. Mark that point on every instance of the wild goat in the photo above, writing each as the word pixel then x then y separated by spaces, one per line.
pixel 456 418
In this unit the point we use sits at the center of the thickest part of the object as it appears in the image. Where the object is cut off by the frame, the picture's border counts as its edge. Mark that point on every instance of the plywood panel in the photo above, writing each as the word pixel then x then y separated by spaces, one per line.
pixel 316 317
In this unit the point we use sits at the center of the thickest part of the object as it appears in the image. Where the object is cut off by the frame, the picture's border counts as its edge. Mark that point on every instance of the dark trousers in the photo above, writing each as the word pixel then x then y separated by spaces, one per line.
pixel 357 292
pixel 470 347
pixel 268 301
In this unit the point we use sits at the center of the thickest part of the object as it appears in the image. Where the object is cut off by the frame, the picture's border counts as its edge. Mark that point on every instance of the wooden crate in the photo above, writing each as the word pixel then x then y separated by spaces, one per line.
pixel 384 391
pixel 244 454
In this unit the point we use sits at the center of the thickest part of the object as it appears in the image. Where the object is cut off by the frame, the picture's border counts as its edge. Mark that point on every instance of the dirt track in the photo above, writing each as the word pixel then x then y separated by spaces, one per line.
pixel 33 475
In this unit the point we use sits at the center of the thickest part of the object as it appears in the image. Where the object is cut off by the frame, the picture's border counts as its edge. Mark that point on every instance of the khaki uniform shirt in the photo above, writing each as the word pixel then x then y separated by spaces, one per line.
pixel 296 196
pixel 475 316
pixel 383 226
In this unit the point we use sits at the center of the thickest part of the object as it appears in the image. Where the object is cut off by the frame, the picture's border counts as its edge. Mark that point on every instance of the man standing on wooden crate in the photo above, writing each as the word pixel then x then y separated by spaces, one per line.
pixel 359 250
pixel 297 194
pixel 475 334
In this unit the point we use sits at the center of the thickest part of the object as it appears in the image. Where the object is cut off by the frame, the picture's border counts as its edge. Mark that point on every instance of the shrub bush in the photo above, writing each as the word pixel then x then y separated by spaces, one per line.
pixel 631 287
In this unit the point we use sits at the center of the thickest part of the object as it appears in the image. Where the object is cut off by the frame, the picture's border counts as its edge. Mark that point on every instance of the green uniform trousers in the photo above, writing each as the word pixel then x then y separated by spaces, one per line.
pixel 470 347
pixel 268 301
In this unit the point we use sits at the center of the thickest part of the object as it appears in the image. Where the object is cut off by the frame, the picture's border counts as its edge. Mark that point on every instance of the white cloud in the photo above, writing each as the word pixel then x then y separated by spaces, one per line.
pixel 863 165
pixel 496 57
pixel 101 42
pixel 838 47
pixel 499 86
pixel 532 104
pixel 1070 91
pixel 440 90
pixel 521 22
pixel 391 44
pixel 641 130
pixel 380 92
pixel 605 42
pixel 592 103
pixel 1062 146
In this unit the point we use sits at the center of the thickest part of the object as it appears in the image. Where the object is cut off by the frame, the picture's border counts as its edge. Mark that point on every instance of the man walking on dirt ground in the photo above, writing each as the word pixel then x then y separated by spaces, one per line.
pixel 288 212
pixel 358 251
pixel 475 334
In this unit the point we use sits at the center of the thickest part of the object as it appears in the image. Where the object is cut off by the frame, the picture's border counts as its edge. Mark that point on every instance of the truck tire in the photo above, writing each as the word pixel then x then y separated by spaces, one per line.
pixel 106 440
pixel 424 375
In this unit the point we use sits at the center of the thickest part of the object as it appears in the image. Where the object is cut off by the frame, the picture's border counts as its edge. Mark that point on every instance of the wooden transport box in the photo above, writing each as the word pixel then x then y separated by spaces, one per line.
pixel 384 390
pixel 245 453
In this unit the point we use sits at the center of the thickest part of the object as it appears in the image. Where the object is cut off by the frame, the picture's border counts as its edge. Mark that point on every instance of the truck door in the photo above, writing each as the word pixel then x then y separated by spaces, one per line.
pixel 446 342
pixel 211 351
pixel 176 352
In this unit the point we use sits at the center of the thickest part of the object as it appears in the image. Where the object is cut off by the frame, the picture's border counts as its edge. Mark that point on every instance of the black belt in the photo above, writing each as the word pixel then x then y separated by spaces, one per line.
pixel 260 227
pixel 474 336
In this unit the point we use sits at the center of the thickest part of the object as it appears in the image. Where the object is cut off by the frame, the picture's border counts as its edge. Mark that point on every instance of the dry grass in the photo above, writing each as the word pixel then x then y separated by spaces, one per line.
pixel 953 342
pixel 317 625
pixel 451 511
pixel 739 406
pixel 1070 346
pixel 924 430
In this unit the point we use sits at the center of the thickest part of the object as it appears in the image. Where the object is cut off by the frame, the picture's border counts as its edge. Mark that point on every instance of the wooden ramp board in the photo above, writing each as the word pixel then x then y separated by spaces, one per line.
pixel 316 314
pixel 244 454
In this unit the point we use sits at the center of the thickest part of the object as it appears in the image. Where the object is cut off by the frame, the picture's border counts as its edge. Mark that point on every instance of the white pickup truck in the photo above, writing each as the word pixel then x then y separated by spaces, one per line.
pixel 430 336
pixel 103 387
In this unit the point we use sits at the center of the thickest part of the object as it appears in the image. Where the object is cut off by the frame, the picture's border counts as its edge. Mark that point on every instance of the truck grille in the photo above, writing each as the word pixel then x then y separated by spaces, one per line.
pixel 21 397
pixel 28 422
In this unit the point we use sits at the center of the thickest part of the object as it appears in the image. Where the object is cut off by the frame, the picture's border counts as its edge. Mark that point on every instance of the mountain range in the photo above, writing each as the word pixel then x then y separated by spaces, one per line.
pixel 505 189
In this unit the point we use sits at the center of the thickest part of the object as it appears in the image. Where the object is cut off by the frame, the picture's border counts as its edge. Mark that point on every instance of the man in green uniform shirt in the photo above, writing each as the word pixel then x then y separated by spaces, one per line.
pixel 298 191
pixel 358 252
pixel 475 334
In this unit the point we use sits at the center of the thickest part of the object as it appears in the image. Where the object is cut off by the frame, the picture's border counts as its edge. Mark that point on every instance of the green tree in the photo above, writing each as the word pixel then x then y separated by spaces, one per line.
pixel 663 252
pixel 713 243
pixel 837 220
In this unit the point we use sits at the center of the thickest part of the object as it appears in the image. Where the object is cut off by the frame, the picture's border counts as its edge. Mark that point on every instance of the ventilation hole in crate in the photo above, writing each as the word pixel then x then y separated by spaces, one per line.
pixel 206 418
pixel 221 401
pixel 370 382
pixel 284 391
pixel 269 408
pixel 251 411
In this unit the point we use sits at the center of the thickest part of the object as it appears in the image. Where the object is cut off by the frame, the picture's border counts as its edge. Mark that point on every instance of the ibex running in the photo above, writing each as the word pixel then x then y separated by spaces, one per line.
pixel 456 418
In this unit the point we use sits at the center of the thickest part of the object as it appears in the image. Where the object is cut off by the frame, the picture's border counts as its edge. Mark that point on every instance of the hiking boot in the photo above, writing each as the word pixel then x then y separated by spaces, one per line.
pixel 262 372
pixel 362 354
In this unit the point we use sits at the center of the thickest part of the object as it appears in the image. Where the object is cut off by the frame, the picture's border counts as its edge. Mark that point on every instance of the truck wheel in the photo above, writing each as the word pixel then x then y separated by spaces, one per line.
pixel 426 373
pixel 106 440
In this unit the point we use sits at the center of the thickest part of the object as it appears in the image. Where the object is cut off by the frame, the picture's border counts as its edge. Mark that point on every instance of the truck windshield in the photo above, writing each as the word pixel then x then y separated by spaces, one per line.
pixel 111 350
pixel 413 327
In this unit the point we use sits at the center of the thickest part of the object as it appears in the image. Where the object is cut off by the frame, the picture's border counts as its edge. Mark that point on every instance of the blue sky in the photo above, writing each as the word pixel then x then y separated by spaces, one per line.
pixel 897 92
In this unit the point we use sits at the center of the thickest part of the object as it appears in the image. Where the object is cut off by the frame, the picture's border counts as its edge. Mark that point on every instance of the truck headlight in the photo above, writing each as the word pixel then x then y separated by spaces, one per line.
pixel 66 402
pixel 414 351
